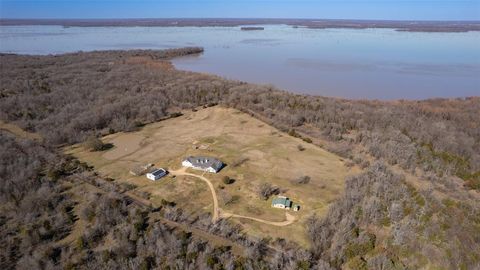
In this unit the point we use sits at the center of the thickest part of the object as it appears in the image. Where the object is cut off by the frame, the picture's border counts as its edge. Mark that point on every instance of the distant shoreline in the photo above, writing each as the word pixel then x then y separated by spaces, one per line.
pixel 407 26
pixel 252 28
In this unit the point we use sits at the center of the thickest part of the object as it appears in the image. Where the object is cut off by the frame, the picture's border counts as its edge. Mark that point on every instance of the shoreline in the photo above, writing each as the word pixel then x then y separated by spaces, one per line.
pixel 406 26
pixel 165 55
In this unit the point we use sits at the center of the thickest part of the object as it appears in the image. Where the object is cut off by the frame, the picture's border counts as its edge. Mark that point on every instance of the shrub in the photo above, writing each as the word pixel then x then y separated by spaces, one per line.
pixel 227 198
pixel 303 265
pixel 128 186
pixel 211 261
pixel 227 180
pixel 138 124
pixel 176 114
pixel 307 140
pixel 358 264
pixel 293 133
pixel 93 143
pixel 266 190
pixel 360 249
pixel 164 202
pixel 301 180
pixel 473 184
pixel 349 164
pixel 54 174
pixel 80 243
pixel 386 222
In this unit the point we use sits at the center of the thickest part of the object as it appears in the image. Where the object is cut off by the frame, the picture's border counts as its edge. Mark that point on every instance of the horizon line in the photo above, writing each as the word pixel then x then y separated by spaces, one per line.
pixel 241 18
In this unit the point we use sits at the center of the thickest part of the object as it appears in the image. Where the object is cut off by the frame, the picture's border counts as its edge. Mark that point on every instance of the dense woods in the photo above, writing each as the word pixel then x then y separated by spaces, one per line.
pixel 41 202
pixel 421 225
pixel 383 221
pixel 440 136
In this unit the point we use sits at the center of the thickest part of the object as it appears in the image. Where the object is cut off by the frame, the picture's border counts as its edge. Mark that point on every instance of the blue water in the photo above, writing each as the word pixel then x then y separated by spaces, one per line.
pixel 370 63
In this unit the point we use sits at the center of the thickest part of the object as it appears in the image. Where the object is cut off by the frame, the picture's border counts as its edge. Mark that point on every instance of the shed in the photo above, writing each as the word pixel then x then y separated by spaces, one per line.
pixel 282 202
pixel 156 174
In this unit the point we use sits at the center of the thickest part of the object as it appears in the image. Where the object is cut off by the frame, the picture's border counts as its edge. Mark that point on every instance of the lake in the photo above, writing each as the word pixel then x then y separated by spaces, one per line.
pixel 349 63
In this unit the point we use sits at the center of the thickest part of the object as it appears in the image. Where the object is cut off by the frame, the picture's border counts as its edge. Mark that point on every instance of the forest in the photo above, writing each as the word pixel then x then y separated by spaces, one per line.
pixel 383 221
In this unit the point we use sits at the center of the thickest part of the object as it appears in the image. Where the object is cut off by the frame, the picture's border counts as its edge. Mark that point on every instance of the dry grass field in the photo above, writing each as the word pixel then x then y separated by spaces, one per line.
pixel 254 152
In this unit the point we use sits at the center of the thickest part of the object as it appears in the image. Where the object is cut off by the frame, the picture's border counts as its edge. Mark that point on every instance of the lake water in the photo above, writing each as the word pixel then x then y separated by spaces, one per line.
pixel 370 63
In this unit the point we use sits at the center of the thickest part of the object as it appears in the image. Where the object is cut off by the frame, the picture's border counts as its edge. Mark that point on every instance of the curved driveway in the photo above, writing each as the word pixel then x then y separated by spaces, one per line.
pixel 289 219
pixel 216 209
pixel 182 171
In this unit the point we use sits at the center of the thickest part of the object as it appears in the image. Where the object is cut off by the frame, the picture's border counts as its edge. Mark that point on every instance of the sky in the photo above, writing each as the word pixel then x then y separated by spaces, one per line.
pixel 320 9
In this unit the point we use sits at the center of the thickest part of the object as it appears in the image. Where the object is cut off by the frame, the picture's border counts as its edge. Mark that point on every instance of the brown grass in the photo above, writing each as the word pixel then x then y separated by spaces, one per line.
pixel 273 157
pixel 17 131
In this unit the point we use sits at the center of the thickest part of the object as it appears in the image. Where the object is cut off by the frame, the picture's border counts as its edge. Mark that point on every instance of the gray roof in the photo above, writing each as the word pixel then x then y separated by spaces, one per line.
pixel 205 162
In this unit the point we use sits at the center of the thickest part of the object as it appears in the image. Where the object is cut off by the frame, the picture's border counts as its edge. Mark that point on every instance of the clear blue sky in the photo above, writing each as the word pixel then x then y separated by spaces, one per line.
pixel 330 9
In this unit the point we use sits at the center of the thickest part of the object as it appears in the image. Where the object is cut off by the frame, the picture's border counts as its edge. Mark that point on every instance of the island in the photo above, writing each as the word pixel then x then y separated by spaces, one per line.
pixel 252 28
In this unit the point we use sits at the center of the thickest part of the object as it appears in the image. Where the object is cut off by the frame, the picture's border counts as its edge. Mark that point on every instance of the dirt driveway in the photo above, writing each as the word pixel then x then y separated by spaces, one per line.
pixel 183 171
pixel 217 211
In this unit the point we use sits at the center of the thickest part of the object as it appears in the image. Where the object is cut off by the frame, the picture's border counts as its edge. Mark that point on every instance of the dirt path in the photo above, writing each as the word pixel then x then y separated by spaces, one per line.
pixel 182 171
pixel 289 219
pixel 217 210
pixel 19 132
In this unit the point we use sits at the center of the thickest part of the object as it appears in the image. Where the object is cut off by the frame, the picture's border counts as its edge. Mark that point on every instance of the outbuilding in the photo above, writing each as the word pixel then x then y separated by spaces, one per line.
pixel 156 174
pixel 282 202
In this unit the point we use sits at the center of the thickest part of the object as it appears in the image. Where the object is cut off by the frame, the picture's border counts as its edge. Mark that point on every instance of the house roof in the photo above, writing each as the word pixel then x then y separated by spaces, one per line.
pixel 205 162
pixel 282 200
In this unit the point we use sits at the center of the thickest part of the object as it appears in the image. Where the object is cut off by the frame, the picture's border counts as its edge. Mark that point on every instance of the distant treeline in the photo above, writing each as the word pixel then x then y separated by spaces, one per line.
pixel 382 221
pixel 412 26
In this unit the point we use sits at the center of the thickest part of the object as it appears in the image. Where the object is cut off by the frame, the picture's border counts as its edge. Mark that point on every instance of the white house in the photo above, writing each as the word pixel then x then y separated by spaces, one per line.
pixel 207 164
pixel 156 174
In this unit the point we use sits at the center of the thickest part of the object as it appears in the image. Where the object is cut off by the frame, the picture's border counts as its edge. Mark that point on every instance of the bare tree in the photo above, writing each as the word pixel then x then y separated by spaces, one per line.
pixel 265 190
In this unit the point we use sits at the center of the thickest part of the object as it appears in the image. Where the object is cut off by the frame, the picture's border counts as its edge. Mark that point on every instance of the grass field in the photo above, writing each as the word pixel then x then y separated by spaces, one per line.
pixel 268 155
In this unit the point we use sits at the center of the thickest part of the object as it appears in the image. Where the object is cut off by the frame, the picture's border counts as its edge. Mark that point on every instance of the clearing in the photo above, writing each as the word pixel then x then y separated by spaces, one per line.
pixel 17 131
pixel 254 153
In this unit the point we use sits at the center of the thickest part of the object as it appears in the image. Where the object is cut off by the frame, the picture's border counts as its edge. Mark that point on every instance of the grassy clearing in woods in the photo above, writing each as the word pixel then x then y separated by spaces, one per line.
pixel 254 152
